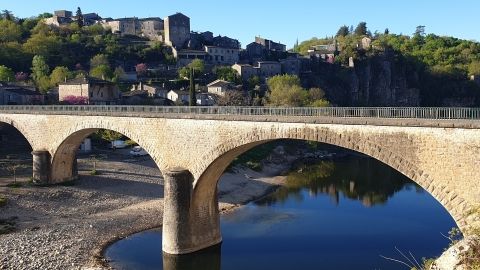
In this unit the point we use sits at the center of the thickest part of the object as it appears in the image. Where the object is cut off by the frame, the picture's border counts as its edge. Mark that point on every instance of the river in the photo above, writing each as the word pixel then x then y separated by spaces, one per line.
pixel 342 214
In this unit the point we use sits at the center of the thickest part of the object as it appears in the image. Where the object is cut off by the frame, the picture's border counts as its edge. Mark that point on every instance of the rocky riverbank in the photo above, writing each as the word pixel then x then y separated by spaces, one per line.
pixel 67 227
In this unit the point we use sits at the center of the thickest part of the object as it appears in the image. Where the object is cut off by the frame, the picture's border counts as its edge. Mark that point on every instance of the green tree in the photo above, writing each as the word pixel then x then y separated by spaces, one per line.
pixel 102 72
pixel 109 135
pixel 40 68
pixel 79 16
pixel 474 68
pixel 197 65
pixel 226 73
pixel 361 29
pixel 192 95
pixel 343 31
pixel 43 83
pixel 7 15
pixel 60 74
pixel 10 31
pixel 98 60
pixel 285 90
pixel 6 74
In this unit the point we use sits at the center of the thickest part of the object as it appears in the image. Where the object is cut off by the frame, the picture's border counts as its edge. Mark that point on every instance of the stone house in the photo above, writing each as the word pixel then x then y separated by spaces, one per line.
pixel 219 87
pixel 179 96
pixel 222 56
pixel 267 69
pixel 152 90
pixel 18 95
pixel 95 91
pixel 124 26
pixel 245 71
pixel 152 28
pixel 136 97
pixel 270 45
pixel 185 57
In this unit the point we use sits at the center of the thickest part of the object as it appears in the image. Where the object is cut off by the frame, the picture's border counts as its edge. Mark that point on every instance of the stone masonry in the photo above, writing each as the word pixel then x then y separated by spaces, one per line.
pixel 193 152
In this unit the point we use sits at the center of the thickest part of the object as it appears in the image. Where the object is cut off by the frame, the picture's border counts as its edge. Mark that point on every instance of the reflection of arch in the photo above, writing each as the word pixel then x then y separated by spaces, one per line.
pixel 20 128
pixel 215 162
pixel 64 156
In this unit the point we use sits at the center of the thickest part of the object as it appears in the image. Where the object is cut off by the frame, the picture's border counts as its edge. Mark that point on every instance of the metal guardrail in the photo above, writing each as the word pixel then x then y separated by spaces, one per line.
pixel 338 112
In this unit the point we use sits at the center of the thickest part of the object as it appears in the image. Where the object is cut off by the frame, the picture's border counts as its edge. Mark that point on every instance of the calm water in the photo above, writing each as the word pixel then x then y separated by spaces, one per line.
pixel 331 215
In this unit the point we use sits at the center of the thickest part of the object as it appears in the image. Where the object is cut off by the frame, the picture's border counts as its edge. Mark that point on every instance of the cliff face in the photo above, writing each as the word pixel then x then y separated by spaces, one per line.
pixel 375 81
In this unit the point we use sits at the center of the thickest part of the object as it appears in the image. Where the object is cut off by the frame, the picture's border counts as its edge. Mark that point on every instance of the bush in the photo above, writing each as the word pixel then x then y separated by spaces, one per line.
pixel 93 172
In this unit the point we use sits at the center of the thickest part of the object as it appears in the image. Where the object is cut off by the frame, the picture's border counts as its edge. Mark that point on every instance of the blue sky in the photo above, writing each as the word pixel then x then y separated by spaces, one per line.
pixel 283 20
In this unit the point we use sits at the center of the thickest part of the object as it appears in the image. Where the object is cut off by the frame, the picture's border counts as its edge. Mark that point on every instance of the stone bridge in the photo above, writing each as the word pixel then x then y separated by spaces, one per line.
pixel 438 148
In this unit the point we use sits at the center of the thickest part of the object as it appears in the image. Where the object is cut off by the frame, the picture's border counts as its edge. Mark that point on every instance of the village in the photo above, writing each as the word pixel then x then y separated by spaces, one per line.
pixel 226 74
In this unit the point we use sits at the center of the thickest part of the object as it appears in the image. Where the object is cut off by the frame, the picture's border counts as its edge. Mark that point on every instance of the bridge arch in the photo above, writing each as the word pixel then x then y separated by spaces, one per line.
pixel 20 127
pixel 64 152
pixel 207 174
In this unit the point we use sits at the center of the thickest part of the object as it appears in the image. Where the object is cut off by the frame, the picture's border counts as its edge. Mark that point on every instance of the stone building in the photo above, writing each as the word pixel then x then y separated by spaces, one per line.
pixel 270 45
pixel 152 28
pixel 152 90
pixel 186 56
pixel 62 13
pixel 267 69
pixel 124 26
pixel 178 96
pixel 95 91
pixel 220 87
pixel 177 30
pixel 221 55
pixel 19 95
pixel 245 71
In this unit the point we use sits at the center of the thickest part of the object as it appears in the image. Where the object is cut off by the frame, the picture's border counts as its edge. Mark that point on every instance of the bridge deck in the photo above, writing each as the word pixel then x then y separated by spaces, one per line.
pixel 381 116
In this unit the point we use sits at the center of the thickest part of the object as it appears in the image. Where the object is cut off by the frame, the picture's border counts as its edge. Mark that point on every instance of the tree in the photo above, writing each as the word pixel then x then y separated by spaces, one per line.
pixel 386 32
pixel 13 166
pixel 285 90
pixel 103 72
pixel 141 69
pixel 21 76
pixel 60 74
pixel 118 73
pixel 39 67
pixel 79 16
pixel 232 98
pixel 474 68
pixel 98 60
pixel 361 29
pixel 343 31
pixel 419 31
pixel 197 65
pixel 192 95
pixel 6 74
pixel 226 73
pixel 7 15
pixel 10 31
pixel 109 135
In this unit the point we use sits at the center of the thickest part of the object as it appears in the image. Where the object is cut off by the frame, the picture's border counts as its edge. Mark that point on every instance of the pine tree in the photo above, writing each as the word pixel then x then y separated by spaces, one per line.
pixel 193 98
pixel 79 17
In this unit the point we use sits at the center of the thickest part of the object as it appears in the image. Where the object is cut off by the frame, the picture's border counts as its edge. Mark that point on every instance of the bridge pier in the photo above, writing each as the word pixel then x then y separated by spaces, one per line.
pixel 41 166
pixel 184 229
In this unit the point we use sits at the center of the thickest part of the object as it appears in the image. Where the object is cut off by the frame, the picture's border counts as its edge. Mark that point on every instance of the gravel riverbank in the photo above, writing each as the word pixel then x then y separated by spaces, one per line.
pixel 66 227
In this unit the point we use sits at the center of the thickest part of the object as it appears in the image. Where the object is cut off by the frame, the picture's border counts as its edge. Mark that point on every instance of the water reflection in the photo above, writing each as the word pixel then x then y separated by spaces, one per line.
pixel 363 179
pixel 209 258
pixel 331 215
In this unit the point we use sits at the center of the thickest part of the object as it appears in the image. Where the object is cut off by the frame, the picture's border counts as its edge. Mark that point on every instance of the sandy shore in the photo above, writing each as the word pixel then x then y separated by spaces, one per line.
pixel 66 227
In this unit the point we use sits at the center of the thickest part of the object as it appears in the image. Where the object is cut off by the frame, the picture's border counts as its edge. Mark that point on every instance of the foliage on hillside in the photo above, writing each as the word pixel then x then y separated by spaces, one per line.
pixel 78 50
